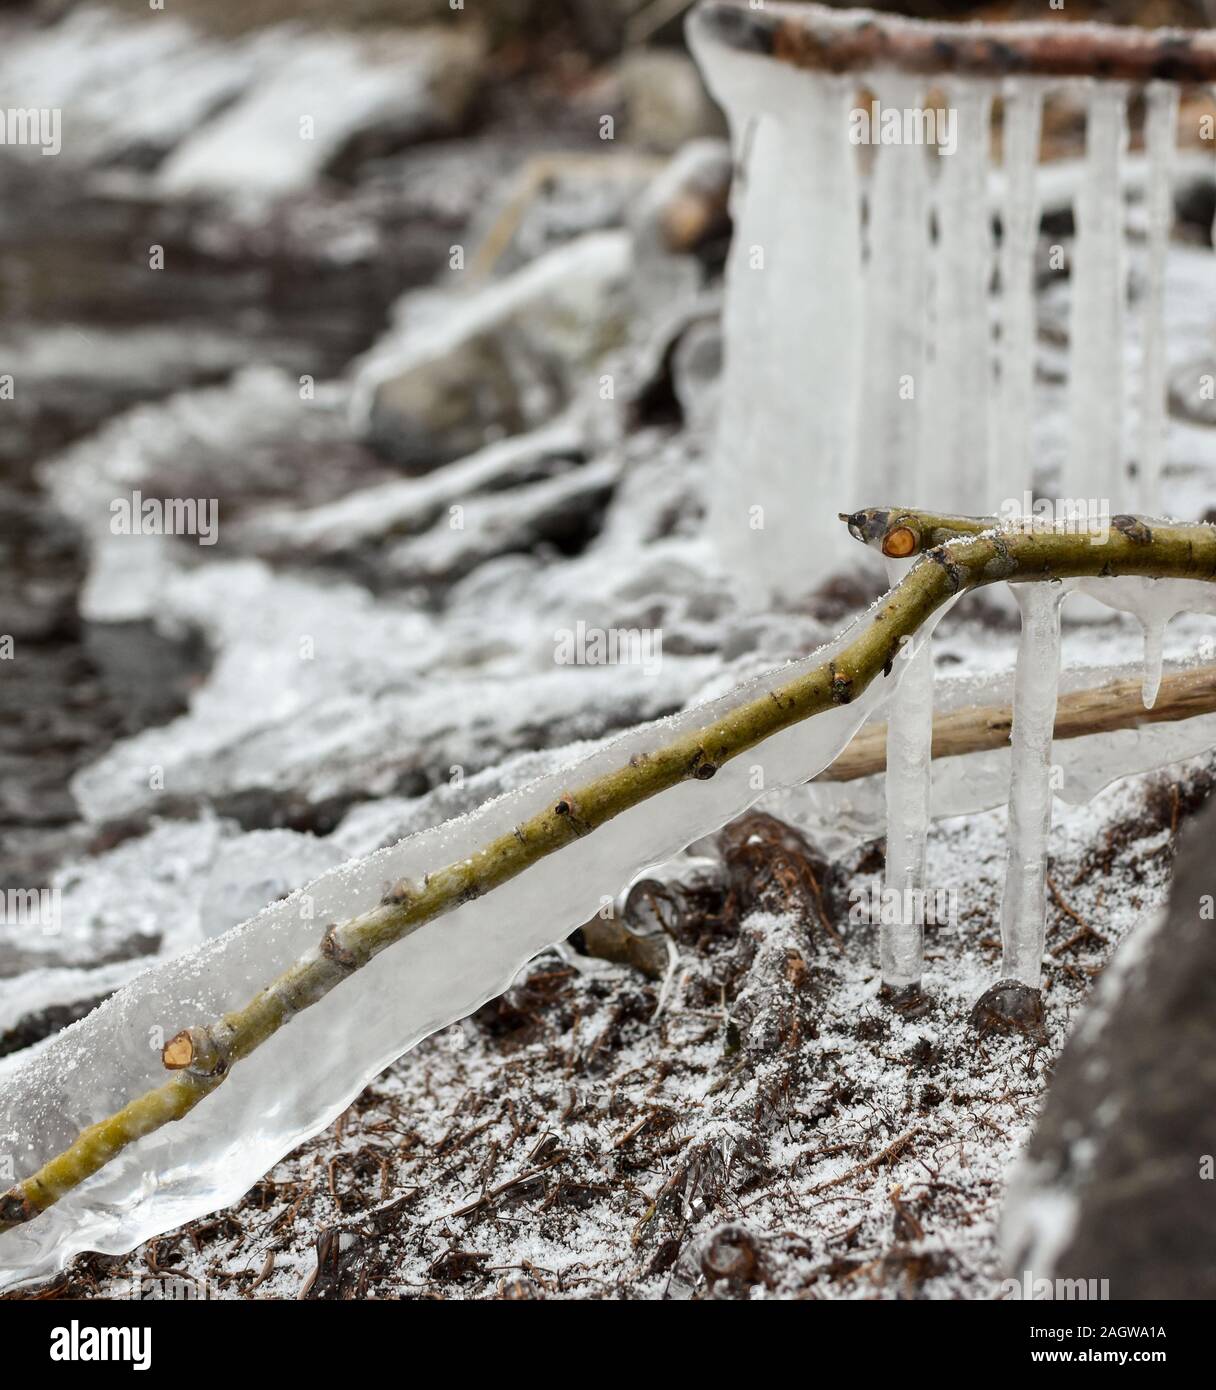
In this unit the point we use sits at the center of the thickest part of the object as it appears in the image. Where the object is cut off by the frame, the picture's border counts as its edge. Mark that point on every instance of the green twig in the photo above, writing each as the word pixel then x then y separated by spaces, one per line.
pixel 202 1056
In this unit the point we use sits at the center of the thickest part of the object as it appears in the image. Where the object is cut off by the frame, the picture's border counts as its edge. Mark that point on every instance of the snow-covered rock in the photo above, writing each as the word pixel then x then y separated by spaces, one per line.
pixel 321 92
pixel 460 366
pixel 123 87
pixel 1117 1182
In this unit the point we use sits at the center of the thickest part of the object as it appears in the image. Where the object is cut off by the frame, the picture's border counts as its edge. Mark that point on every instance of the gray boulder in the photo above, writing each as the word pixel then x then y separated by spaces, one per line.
pixel 1118 1183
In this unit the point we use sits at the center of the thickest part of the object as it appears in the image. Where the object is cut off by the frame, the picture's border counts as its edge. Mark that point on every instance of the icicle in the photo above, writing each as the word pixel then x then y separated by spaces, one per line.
pixel 1153 603
pixel 783 459
pixel 955 443
pixel 1161 122
pixel 1010 455
pixel 740 424
pixel 814 250
pixel 908 784
pixel 895 299
pixel 1095 468
pixel 1154 637
pixel 1024 901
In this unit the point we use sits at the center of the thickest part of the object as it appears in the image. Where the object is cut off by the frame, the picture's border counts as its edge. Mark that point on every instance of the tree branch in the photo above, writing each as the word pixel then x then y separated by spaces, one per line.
pixel 1101 710
pixel 208 1053
pixel 816 37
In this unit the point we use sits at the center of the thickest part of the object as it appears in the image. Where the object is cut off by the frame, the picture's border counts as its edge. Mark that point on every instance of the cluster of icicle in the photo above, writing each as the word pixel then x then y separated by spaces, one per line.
pixel 1153 603
pixel 862 364
pixel 866 359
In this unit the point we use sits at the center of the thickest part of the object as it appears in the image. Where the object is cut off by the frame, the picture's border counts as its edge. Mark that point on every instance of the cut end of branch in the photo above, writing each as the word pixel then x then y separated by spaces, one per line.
pixel 178 1052
pixel 900 542
pixel 194 1050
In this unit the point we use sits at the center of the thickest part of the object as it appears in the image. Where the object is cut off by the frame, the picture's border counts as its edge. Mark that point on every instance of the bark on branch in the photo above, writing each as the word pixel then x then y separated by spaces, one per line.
pixel 968 562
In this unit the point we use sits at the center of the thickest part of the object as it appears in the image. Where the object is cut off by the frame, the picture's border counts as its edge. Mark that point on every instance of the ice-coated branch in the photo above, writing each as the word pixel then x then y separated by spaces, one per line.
pixel 203 1056
pixel 827 40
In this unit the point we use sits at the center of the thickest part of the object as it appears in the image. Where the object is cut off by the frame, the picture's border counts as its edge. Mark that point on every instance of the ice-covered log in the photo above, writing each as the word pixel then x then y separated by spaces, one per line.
pixel 816 37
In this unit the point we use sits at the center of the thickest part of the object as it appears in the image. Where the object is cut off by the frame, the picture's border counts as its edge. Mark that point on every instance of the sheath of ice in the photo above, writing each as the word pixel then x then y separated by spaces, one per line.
pixel 954 450
pixel 1161 120
pixel 783 457
pixel 1095 467
pixel 309 1071
pixel 1010 457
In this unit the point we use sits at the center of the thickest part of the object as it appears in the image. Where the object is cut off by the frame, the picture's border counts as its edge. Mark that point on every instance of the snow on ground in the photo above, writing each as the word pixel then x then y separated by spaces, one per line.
pixel 753 1126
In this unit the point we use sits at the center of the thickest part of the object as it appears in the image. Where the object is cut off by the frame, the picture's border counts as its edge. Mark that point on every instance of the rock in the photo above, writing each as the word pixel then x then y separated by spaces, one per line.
pixel 126 90
pixel 686 204
pixel 665 101
pixel 564 512
pixel 1010 1007
pixel 321 94
pixel 696 370
pixel 1118 1182
pixel 365 518
pixel 463 367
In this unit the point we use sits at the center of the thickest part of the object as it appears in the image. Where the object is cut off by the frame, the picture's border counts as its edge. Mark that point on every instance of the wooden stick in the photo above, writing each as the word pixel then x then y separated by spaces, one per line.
pixel 812 36
pixel 1101 710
